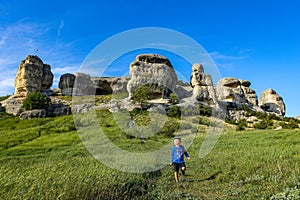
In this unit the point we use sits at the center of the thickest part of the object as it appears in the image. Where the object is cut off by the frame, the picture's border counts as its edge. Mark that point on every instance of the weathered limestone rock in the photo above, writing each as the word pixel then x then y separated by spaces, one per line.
pixel 249 93
pixel 56 110
pixel 203 89
pixel 110 85
pixel 230 90
pixel 270 101
pixel 83 85
pixel 13 105
pixel 155 70
pixel 32 75
pixel 37 113
pixel 66 84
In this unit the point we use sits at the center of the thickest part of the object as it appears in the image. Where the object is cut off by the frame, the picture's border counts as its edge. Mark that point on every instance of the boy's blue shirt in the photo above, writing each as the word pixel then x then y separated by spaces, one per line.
pixel 178 153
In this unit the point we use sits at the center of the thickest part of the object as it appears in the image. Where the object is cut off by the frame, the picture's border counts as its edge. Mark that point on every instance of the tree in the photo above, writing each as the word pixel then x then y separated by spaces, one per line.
pixel 36 100
pixel 141 95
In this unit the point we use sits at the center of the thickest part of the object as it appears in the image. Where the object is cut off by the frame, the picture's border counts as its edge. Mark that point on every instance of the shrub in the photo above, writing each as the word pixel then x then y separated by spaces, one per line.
pixel 241 125
pixel 36 100
pixel 170 127
pixel 264 124
pixel 291 124
pixel 174 99
pixel 141 95
pixel 174 111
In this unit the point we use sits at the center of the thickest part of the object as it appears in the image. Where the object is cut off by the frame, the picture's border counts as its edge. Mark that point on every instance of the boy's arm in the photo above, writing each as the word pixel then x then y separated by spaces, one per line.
pixel 186 155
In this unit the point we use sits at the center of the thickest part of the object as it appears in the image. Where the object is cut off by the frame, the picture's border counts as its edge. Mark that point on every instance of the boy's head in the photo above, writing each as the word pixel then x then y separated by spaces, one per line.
pixel 177 141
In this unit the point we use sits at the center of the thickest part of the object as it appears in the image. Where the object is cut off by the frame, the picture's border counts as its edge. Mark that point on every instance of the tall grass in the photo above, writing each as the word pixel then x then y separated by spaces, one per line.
pixel 45 159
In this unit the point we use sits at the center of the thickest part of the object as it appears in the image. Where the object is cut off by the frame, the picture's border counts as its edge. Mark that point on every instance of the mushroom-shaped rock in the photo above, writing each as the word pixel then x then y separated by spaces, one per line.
pixel 270 101
pixel 154 70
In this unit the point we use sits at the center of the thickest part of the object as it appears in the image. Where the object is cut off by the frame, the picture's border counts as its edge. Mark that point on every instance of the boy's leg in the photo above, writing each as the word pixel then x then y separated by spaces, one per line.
pixel 183 168
pixel 176 177
pixel 176 170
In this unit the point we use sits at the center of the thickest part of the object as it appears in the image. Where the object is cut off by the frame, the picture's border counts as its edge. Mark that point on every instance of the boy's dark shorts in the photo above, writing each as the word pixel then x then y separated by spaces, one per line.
pixel 178 166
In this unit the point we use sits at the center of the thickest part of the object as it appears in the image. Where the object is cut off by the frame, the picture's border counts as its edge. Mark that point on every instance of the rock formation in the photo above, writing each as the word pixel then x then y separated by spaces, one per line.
pixel 154 70
pixel 83 85
pixel 249 93
pixel 271 102
pixel 203 89
pixel 32 75
pixel 110 85
pixel 147 69
pixel 230 90
pixel 66 84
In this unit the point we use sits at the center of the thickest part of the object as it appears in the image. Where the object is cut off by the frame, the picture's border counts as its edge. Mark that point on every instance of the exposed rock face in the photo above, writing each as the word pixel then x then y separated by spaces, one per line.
pixel 66 84
pixel 32 75
pixel 249 93
pixel 203 89
pixel 83 85
pixel 13 105
pixel 154 70
pixel 109 85
pixel 230 90
pixel 270 101
pixel 38 113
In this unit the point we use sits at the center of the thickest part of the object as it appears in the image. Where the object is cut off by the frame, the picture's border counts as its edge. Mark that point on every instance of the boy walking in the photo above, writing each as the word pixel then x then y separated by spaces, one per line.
pixel 177 158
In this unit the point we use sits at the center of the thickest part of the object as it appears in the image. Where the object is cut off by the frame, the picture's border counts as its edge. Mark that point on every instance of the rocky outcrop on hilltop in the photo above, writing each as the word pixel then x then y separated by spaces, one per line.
pixel 230 90
pixel 203 88
pixel 32 75
pixel 154 70
pixel 249 93
pixel 271 102
pixel 66 84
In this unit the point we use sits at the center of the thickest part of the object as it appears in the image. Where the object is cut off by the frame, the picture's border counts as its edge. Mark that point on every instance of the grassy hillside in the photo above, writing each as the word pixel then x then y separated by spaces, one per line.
pixel 45 159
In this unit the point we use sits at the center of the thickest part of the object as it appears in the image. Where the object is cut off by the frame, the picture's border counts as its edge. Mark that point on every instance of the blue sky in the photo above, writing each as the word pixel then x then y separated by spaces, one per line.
pixel 254 40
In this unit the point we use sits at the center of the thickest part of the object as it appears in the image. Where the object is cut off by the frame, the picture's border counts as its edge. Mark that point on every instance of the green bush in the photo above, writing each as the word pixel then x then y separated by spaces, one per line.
pixel 141 95
pixel 241 125
pixel 291 124
pixel 264 124
pixel 36 100
pixel 174 99
pixel 170 127
pixel 174 111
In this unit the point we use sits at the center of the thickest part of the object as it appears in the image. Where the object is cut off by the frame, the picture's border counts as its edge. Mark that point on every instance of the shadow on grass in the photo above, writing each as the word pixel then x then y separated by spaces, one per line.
pixel 211 177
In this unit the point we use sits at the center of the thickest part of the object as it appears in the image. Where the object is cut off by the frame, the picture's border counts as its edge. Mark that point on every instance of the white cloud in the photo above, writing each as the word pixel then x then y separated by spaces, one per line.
pixel 67 69
pixel 59 29
pixel 220 56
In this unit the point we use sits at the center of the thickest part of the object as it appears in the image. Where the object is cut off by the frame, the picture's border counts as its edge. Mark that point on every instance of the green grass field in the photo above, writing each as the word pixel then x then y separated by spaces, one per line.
pixel 45 159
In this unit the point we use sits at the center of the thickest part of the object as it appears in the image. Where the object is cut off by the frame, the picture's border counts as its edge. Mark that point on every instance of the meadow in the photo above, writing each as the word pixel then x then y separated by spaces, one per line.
pixel 45 159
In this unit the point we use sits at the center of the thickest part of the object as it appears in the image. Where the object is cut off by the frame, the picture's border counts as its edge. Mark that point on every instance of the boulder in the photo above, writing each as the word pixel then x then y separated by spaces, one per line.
pixel 230 90
pixel 271 102
pixel 83 85
pixel 37 113
pixel 32 75
pixel 13 105
pixel 203 89
pixel 154 70
pixel 66 84
pixel 56 110
pixel 110 85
